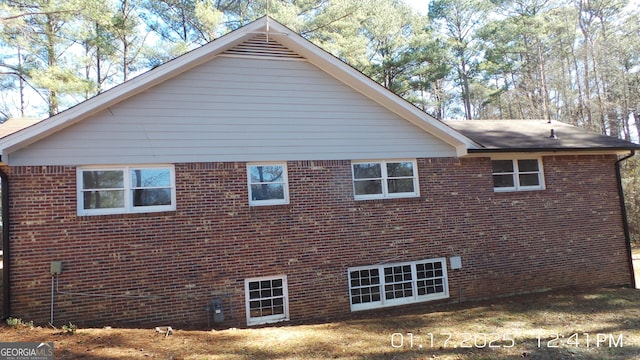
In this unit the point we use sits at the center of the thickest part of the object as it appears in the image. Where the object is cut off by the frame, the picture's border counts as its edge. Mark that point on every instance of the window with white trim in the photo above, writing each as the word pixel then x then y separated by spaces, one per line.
pixel 266 300
pixel 129 189
pixel 268 184
pixel 385 179
pixel 397 284
pixel 517 174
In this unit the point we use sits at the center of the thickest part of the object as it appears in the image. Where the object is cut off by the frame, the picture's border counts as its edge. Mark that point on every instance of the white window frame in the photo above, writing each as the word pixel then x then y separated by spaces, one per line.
pixel 516 172
pixel 384 179
pixel 269 319
pixel 415 298
pixel 285 182
pixel 128 207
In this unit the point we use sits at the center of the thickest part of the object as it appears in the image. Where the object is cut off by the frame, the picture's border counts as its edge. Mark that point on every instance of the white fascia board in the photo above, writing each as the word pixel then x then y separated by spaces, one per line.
pixel 126 90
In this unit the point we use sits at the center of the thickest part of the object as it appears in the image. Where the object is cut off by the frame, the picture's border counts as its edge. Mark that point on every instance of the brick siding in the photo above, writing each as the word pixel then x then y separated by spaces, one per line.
pixel 163 268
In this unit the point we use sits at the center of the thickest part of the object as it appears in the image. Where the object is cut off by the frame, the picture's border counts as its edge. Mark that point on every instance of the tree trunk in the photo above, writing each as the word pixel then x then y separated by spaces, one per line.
pixel 543 83
pixel 50 34
pixel 466 96
pixel 21 82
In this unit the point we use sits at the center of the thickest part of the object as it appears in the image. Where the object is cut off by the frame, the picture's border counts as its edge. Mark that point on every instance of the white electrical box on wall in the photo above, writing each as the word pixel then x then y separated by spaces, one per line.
pixel 455 262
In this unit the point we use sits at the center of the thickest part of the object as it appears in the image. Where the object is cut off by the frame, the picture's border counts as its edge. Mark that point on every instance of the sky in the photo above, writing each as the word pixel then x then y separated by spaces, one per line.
pixel 420 5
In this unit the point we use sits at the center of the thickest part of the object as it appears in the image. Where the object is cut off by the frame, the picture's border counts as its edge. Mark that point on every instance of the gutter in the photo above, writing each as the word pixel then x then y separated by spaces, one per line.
pixel 6 288
pixel 625 222
pixel 545 149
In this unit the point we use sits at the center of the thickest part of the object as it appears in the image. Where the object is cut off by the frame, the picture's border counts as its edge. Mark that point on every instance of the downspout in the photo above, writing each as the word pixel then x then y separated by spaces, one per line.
pixel 625 222
pixel 6 288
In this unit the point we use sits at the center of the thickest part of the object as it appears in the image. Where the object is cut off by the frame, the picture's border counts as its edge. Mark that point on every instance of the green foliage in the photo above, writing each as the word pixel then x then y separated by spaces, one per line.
pixel 17 323
pixel 69 329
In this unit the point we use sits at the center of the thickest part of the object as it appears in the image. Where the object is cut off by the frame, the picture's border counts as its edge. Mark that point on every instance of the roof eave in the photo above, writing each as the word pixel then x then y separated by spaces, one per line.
pixel 607 150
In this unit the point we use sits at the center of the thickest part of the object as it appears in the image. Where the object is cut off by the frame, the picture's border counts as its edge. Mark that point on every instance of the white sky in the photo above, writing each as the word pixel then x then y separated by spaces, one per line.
pixel 420 5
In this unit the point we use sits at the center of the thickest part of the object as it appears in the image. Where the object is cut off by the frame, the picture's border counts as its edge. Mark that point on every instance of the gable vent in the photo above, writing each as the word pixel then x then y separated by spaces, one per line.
pixel 262 46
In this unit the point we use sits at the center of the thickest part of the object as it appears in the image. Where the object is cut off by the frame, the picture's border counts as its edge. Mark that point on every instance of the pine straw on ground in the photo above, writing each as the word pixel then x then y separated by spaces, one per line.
pixel 596 324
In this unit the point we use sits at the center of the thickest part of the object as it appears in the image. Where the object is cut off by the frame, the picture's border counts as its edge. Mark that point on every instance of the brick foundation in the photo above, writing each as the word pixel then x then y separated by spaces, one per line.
pixel 163 268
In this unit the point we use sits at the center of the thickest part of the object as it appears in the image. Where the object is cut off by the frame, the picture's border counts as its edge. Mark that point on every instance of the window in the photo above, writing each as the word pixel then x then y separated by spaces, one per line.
pixel 120 190
pixel 266 300
pixel 268 184
pixel 517 175
pixel 385 179
pixel 396 284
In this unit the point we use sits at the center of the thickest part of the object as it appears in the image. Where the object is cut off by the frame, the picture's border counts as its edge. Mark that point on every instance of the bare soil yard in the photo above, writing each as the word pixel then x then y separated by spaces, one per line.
pixel 597 324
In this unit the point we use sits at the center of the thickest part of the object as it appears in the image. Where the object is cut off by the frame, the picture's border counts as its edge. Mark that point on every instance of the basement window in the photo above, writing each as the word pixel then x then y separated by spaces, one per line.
pixel 517 174
pixel 266 300
pixel 397 284
pixel 122 190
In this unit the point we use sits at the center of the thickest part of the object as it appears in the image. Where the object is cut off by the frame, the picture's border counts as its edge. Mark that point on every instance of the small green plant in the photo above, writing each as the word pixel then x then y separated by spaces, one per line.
pixel 69 329
pixel 17 322
pixel 14 322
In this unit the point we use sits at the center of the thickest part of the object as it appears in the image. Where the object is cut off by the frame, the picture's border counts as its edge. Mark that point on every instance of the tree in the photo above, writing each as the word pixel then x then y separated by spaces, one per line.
pixel 459 19
pixel 389 29
pixel 516 54
pixel 47 27
pixel 187 22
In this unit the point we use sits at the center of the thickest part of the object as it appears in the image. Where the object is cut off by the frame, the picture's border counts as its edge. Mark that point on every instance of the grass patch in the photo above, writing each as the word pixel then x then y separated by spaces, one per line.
pixel 599 324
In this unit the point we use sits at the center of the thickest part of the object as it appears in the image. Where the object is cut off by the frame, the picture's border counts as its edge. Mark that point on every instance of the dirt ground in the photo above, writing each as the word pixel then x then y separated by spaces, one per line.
pixel 596 324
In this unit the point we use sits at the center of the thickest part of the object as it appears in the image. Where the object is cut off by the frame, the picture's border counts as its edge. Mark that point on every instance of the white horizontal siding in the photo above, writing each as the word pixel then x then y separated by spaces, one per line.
pixel 234 109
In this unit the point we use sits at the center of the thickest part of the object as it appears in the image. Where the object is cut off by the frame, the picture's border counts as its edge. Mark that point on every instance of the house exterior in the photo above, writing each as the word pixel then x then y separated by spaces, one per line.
pixel 258 179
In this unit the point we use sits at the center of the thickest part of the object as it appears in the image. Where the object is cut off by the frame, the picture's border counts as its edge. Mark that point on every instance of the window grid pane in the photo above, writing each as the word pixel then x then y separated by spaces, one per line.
pixel 367 171
pixel 266 174
pixel 267 192
pixel 400 169
pixel 103 180
pixel 398 282
pixel 400 185
pixel 502 166
pixel 266 298
pixel 105 199
pixel 150 178
pixel 529 179
pixel 365 286
pixel 151 197
pixel 530 165
pixel 368 187
pixel 430 277
pixel 503 181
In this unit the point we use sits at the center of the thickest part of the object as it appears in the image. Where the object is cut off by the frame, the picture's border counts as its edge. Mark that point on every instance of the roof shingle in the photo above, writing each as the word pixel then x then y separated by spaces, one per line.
pixel 534 135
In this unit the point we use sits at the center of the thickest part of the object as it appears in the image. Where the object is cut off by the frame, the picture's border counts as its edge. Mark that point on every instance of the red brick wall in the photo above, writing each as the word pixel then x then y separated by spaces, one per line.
pixel 162 268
